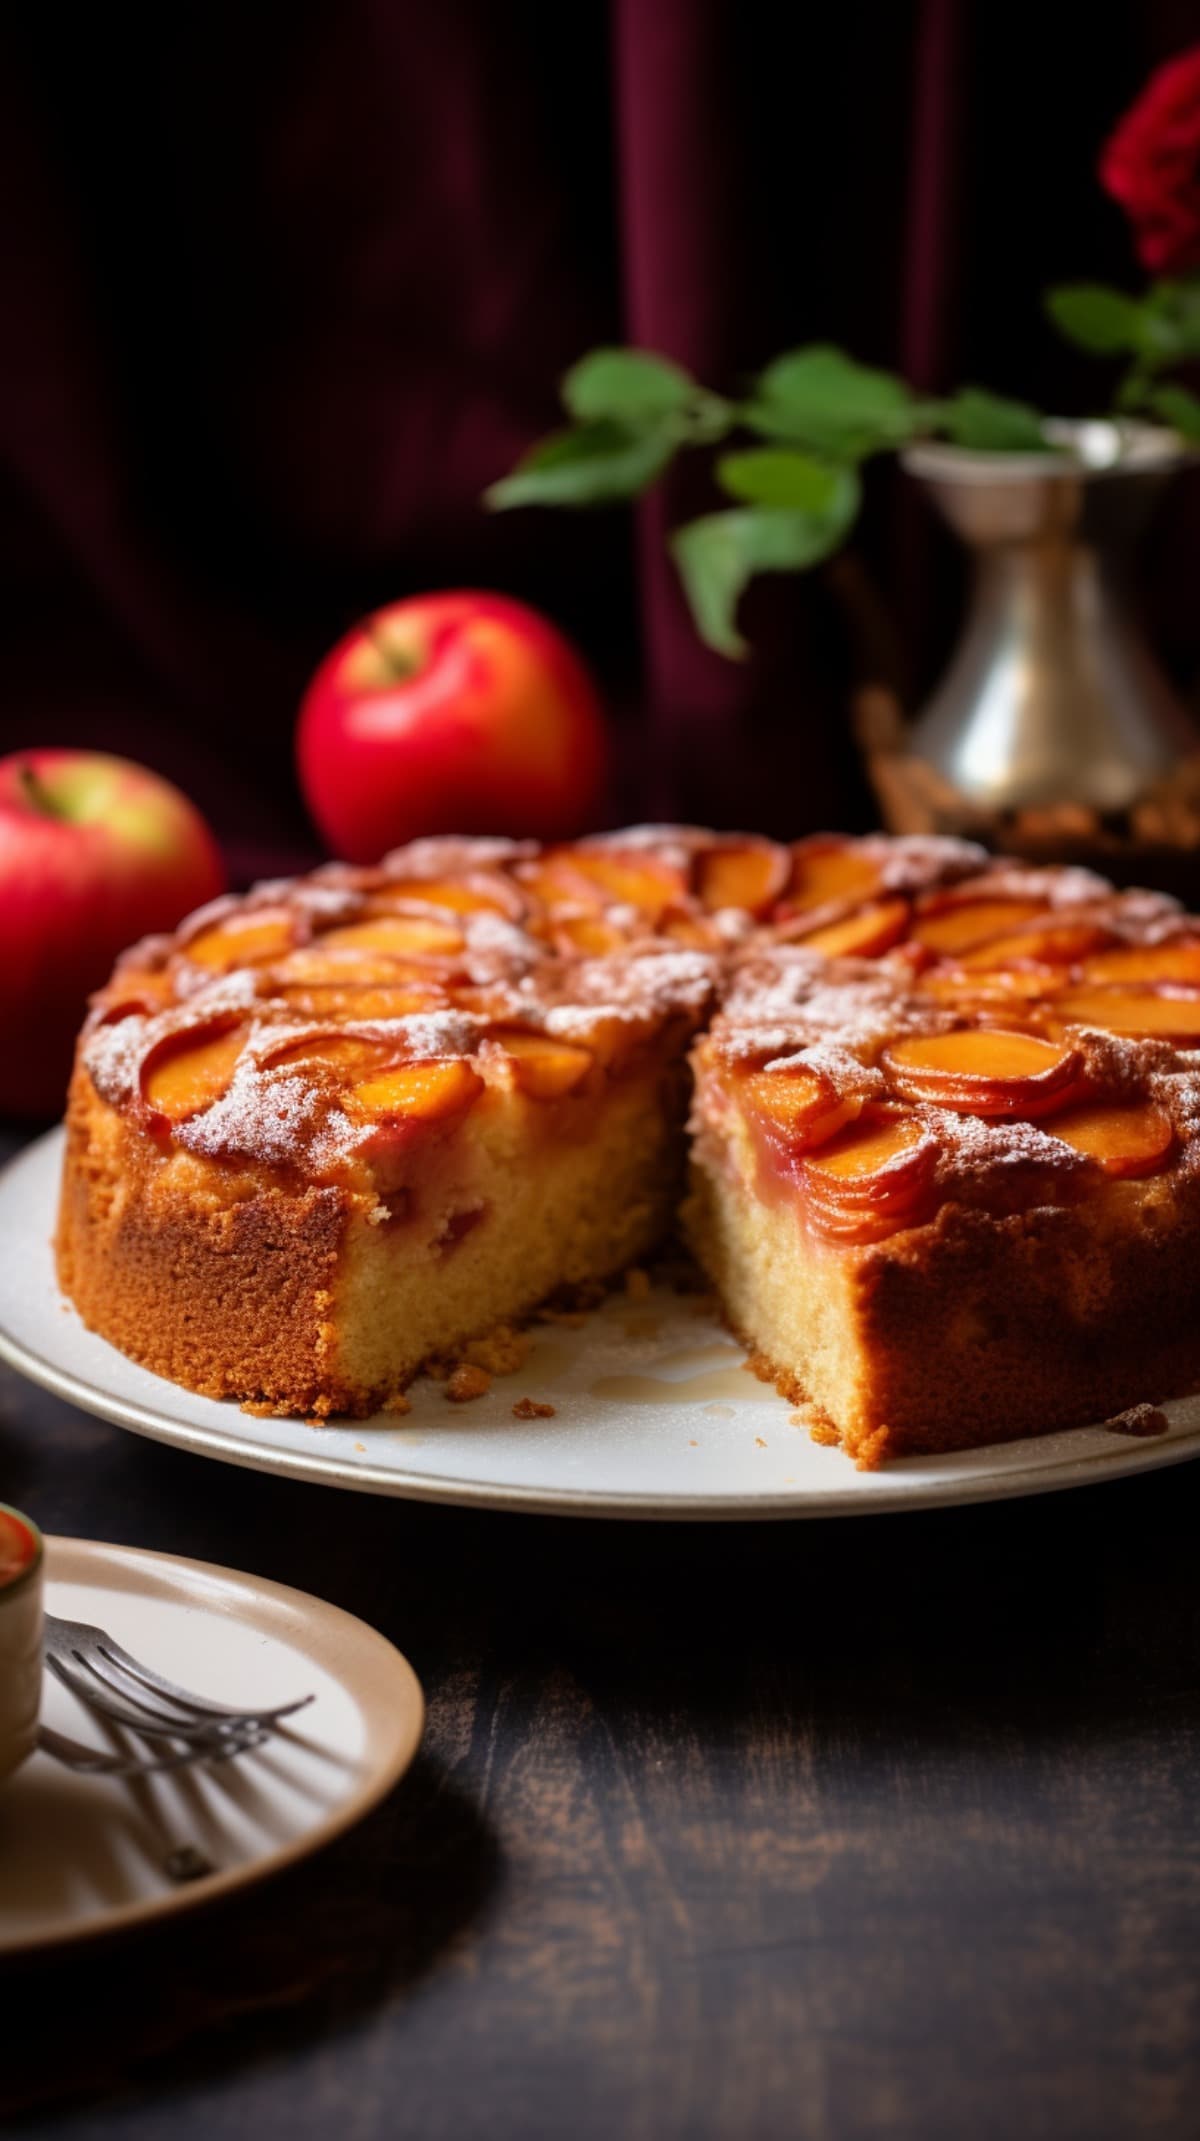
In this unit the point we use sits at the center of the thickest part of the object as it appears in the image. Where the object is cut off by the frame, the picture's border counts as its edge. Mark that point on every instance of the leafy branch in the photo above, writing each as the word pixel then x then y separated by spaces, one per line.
pixel 1154 332
pixel 796 496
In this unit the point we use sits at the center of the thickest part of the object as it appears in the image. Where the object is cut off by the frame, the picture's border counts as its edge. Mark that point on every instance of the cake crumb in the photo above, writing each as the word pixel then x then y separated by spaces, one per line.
pixel 693 1445
pixel 872 1450
pixel 501 1351
pixel 532 1409
pixel 637 1283
pixel 362 1447
pixel 759 1444
pixel 825 1433
pixel 1139 1420
pixel 399 1404
pixel 467 1382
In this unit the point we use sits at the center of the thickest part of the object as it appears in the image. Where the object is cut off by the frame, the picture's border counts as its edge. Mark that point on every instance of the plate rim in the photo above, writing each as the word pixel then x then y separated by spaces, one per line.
pixel 498 1495
pixel 402 1723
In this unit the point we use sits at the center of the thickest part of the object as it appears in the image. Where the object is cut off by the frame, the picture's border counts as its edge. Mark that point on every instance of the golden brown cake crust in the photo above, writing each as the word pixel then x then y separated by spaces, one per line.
pixel 325 1095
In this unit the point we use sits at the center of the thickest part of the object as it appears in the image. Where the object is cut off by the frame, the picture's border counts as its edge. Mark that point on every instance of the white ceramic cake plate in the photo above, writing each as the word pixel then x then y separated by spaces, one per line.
pixel 654 1414
pixel 82 1856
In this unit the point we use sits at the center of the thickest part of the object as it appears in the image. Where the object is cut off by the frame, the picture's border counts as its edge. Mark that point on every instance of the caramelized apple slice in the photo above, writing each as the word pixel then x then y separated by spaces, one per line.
pixel 799 1100
pixel 422 1092
pixel 630 880
pixel 828 870
pixel 569 877
pixel 545 1069
pixel 246 942
pixel 357 1001
pixel 189 1070
pixel 590 934
pixel 863 935
pixel 411 935
pixel 478 893
pixel 1142 1017
pixel 1012 984
pixel 984 1071
pixel 874 1177
pixel 962 924
pixel 314 964
pixel 349 1057
pixel 750 874
pixel 1053 944
pixel 1179 961
pixel 1134 1139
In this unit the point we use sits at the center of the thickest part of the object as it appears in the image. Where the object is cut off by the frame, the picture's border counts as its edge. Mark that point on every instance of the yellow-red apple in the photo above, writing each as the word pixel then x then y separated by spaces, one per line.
pixel 462 712
pixel 94 852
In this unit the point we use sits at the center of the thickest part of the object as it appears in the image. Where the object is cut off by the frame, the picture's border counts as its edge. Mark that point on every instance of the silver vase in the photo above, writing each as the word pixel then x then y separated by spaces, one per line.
pixel 1052 697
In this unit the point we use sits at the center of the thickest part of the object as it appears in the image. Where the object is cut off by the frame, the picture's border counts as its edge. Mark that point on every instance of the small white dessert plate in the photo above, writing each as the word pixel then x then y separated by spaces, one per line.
pixel 654 1414
pixel 83 1856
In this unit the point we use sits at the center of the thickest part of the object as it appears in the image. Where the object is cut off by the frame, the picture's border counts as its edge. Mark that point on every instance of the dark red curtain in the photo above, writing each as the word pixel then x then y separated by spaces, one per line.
pixel 286 287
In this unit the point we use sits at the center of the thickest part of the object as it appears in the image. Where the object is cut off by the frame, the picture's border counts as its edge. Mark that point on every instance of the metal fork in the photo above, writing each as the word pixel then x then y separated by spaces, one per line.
pixel 119 1687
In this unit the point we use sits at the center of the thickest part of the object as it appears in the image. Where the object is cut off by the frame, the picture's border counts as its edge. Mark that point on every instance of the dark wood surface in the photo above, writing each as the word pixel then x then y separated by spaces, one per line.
pixel 878 1828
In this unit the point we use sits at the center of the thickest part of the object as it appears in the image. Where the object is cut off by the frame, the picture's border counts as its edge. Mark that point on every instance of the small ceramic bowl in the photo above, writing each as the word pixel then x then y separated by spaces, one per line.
pixel 21 1561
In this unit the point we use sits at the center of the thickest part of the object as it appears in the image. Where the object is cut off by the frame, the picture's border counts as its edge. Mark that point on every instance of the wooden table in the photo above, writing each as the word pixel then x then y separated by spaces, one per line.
pixel 842 1829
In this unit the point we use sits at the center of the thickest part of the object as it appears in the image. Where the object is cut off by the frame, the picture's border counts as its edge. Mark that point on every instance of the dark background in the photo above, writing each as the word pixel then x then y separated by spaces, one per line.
pixel 286 287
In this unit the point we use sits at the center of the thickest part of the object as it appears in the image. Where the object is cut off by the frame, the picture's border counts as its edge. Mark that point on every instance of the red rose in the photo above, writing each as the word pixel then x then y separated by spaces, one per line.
pixel 1151 165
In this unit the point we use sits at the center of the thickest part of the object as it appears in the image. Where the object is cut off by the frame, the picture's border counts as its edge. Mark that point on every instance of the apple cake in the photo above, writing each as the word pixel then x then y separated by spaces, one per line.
pixel 942 1143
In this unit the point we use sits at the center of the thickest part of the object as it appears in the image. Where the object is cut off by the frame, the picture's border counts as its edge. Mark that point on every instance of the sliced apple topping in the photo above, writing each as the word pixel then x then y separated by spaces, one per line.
pixel 984 1071
pixel 408 935
pixel 316 965
pixel 590 934
pixel 1141 1017
pixel 875 1176
pixel 1179 961
pixel 248 942
pixel 479 892
pixel 349 1057
pixel 189 1071
pixel 579 877
pixel 959 926
pixel 750 874
pixel 359 1001
pixel 864 935
pixel 424 1092
pixel 827 870
pixel 1053 944
pixel 545 1069
pixel 799 1100
pixel 1134 1139
pixel 1012 984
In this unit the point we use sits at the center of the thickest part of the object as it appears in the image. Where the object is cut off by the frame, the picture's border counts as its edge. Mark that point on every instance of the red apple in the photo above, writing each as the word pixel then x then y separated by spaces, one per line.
pixel 94 852
pixel 456 713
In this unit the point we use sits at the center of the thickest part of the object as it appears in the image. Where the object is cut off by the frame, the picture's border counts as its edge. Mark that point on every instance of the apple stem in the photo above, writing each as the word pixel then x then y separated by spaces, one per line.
pixel 399 665
pixel 37 795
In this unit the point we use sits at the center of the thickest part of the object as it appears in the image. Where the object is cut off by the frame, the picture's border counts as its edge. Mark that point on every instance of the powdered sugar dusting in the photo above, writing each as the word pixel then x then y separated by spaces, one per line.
pixel 272 1118
pixel 113 1055
pixel 916 862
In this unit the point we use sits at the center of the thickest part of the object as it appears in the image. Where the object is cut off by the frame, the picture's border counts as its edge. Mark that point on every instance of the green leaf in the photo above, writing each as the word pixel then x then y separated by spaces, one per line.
pixel 1104 321
pixel 987 423
pixel 1179 409
pixel 1171 313
pixel 820 398
pixel 718 554
pixel 591 464
pixel 774 476
pixel 631 385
